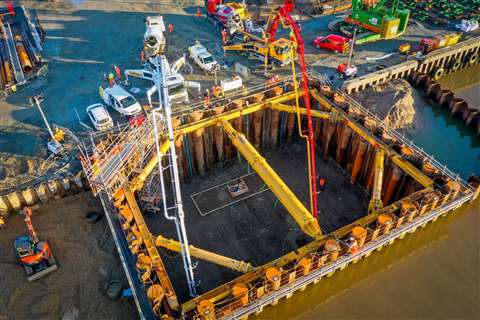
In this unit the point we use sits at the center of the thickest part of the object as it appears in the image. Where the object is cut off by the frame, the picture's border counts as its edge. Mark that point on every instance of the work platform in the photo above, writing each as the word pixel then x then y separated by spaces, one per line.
pixel 374 187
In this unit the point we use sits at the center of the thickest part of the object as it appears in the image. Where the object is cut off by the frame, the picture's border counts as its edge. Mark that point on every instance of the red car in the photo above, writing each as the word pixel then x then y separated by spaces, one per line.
pixel 332 42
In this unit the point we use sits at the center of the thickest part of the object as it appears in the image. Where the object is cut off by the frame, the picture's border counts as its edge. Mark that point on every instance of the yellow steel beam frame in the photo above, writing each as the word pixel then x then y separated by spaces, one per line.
pixel 139 180
pixel 303 111
pixel 152 251
pixel 224 291
pixel 403 164
pixel 232 114
pixel 297 210
pixel 205 255
pixel 376 201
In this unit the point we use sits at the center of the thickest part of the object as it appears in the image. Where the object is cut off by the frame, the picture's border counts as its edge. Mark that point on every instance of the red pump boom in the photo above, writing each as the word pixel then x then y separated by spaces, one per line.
pixel 283 12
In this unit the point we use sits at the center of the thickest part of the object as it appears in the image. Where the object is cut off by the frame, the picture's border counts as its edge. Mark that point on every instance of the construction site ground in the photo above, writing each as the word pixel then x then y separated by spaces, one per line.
pixel 87 260
pixel 85 39
pixel 257 230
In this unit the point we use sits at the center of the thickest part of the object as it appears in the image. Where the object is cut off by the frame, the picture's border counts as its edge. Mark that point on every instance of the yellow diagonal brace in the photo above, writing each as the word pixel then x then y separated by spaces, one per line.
pixel 232 114
pixel 205 255
pixel 139 180
pixel 403 164
pixel 152 251
pixel 297 210
pixel 303 111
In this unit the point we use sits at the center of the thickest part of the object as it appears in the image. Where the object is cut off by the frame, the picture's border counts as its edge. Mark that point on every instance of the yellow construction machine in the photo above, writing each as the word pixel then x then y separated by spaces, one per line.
pixel 276 52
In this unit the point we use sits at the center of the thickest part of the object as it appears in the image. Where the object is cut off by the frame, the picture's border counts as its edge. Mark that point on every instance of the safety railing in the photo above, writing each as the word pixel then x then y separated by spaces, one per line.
pixel 320 262
pixel 393 133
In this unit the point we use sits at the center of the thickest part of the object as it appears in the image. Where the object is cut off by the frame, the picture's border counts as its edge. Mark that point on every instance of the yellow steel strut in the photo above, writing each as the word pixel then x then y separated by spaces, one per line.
pixel 297 210
pixel 201 254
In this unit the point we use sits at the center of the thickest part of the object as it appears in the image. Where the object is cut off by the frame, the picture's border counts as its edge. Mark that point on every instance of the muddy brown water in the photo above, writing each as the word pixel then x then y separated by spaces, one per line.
pixel 432 273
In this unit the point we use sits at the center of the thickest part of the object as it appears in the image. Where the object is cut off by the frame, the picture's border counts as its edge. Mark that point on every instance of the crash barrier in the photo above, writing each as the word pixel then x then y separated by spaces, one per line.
pixel 436 64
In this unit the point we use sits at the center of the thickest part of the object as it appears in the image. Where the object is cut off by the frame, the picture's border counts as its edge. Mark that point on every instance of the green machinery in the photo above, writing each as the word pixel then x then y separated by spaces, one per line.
pixel 379 19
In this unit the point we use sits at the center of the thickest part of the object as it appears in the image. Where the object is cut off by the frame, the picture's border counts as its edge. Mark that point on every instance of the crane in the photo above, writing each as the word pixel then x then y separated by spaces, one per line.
pixel 279 15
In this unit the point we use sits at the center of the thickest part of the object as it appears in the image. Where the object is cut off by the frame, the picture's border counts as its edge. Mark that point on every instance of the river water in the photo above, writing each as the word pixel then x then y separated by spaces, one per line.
pixel 433 273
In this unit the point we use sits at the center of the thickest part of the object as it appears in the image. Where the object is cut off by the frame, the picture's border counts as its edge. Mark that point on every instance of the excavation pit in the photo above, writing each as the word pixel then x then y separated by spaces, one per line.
pixel 258 229
pixel 365 171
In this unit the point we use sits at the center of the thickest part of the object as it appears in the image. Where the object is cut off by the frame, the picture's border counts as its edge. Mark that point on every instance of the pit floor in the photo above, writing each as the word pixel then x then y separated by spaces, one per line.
pixel 259 229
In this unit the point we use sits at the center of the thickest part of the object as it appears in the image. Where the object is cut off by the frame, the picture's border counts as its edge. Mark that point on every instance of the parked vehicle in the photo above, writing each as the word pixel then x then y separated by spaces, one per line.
pixel 154 39
pixel 119 99
pixel 332 42
pixel 203 58
pixel 99 117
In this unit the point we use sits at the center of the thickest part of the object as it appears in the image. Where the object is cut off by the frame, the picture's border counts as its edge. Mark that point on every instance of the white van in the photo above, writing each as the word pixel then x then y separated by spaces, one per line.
pixel 119 99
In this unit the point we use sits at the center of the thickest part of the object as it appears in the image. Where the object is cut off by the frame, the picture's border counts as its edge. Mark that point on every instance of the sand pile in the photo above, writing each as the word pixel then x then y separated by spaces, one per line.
pixel 87 260
pixel 393 102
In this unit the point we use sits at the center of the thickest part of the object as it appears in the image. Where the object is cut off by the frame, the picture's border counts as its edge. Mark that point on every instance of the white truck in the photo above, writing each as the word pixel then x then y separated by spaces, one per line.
pixel 154 40
pixel 177 86
pixel 203 58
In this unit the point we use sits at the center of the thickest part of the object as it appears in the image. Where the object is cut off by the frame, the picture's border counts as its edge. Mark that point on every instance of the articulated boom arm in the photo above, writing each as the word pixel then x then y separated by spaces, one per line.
pixel 297 210
pixel 283 12
pixel 205 255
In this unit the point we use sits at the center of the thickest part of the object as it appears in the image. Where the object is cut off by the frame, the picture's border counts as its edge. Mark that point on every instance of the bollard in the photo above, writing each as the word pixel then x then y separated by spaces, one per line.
pixel 206 309
pixel 273 276
pixel 240 292
pixel 333 248
pixel 384 221
pixel 360 235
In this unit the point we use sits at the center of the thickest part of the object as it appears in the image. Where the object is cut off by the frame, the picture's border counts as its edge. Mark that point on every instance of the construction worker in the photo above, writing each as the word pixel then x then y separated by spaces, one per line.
pixel 199 13
pixel 118 72
pixel 273 81
pixel 170 27
pixel 216 91
pixel 352 245
pixel 100 91
pixel 142 55
pixel 206 98
pixel 224 35
pixel 111 79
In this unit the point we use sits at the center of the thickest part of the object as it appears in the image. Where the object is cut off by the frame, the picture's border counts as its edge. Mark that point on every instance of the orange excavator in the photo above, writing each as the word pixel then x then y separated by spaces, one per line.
pixel 283 15
pixel 34 254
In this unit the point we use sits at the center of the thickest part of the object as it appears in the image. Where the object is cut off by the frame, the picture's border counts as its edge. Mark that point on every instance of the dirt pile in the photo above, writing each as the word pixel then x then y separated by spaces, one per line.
pixel 392 101
pixel 87 260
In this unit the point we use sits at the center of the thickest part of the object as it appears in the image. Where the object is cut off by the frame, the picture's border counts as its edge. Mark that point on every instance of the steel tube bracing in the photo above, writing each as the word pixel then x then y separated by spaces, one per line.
pixel 205 255
pixel 152 250
pixel 297 210
pixel 406 166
